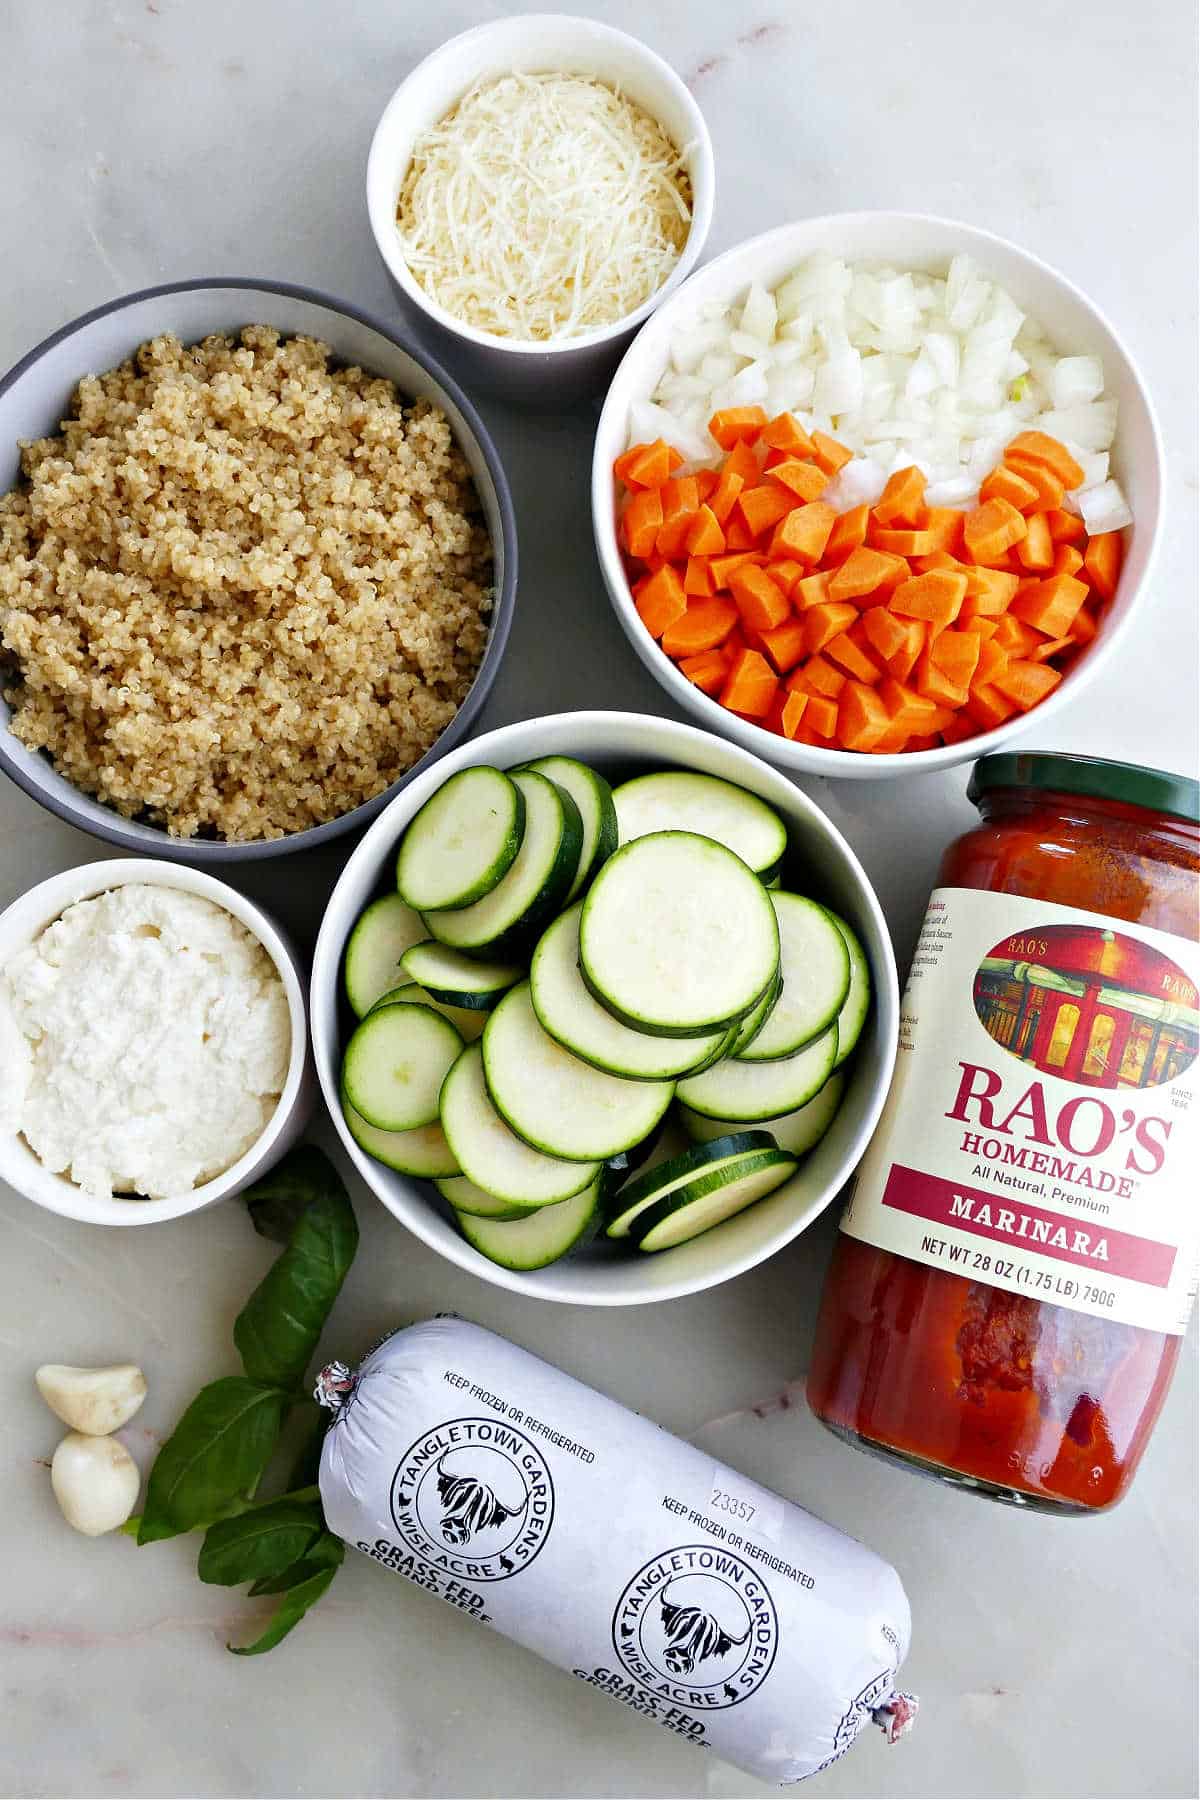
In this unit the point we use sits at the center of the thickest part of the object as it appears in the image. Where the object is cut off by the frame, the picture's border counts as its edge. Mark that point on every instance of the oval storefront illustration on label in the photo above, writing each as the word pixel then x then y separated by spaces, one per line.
pixel 1089 1004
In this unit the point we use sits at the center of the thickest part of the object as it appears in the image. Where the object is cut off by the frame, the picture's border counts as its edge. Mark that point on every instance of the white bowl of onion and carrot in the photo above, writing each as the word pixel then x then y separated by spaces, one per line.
pixel 565 84
pixel 1071 325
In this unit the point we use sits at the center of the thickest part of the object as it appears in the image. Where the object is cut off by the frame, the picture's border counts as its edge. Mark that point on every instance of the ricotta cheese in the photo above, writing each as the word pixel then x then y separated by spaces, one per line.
pixel 144 1042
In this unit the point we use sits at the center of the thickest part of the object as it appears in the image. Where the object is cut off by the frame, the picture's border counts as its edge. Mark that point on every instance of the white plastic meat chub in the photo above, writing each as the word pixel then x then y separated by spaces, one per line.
pixel 620 1554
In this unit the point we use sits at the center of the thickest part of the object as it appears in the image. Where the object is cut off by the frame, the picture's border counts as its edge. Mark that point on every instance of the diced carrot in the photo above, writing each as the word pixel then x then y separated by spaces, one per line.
pixel 1015 638
pixel 942 716
pixel 902 498
pixel 1065 527
pixel 706 482
pixel 902 662
pixel 803 479
pixel 762 507
pixel 936 685
pixel 1041 448
pixel 960 727
pixel 697 578
pixel 862 572
pixel 742 461
pixel 722 567
pixel 641 522
pixel 1051 648
pixel 884 631
pixel 784 432
pixel 828 453
pixel 1052 606
pixel 1067 559
pixel 737 425
pixel 647 465
pixel 820 677
pixel 704 625
pixel 823 623
pixel 821 715
pixel 936 597
pixel 946 524
pixel 761 604
pixel 851 657
pixel 1005 484
pixel 1102 562
pixel 849 531
pixel 661 601
pixel 706 671
pixel 956 654
pixel 991 529
pixel 990 592
pixel 1049 489
pixel 680 503
pixel 991 660
pixel 983 628
pixel 862 716
pixel 804 532
pixel 894 739
pixel 729 485
pixel 811 590
pixel 785 644
pixel 705 537
pixel 904 542
pixel 750 685
pixel 907 709
pixel 1036 549
pixel 772 719
pixel 794 708
pixel 1084 628
pixel 988 706
pixel 738 535
pixel 1025 683
pixel 938 559
pixel 786 573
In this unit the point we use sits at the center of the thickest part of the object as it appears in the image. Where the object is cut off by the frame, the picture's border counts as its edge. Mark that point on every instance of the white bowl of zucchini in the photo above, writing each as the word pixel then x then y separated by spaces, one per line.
pixel 604 1008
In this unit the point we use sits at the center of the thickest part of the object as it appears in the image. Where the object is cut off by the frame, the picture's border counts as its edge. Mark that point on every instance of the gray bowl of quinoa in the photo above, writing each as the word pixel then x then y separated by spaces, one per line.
pixel 258 566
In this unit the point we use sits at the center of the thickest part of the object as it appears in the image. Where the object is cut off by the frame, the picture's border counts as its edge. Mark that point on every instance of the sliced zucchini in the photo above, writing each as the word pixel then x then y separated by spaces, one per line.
pixel 466 1197
pixel 395 1064
pixel 815 966
pixel 665 1177
pixel 560 1105
pixel 575 1018
pixel 459 980
pixel 533 1242
pixel 594 798
pixel 536 884
pixel 377 941
pixel 678 800
pixel 754 1021
pixel 677 937
pixel 494 1157
pixel 423 1151
pixel 796 1132
pixel 462 842
pixel 749 1092
pixel 621 1166
pixel 468 1023
pixel 857 1003
pixel 711 1197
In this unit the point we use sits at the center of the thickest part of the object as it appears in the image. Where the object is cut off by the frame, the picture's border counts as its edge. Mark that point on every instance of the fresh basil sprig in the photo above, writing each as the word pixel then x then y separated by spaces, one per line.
pixel 207 1473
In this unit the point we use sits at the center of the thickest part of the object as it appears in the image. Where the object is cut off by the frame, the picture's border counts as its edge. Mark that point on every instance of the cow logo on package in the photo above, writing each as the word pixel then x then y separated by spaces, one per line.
pixel 698 1626
pixel 474 1497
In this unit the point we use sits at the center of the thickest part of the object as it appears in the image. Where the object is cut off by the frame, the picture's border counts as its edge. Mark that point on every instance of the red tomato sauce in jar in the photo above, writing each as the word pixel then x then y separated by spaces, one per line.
pixel 1006 1300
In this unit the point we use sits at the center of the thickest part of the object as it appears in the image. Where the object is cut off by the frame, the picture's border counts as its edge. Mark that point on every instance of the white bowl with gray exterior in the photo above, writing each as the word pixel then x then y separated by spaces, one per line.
pixel 25 920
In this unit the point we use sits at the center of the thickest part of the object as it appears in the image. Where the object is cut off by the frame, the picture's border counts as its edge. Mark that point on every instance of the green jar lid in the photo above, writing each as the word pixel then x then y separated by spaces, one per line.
pixel 1155 789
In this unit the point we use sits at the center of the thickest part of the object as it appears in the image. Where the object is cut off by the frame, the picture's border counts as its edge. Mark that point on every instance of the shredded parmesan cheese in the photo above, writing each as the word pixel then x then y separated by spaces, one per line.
pixel 543 206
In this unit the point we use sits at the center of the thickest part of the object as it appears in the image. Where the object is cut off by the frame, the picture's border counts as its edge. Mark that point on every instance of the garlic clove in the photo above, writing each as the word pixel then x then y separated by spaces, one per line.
pixel 94 1401
pixel 95 1482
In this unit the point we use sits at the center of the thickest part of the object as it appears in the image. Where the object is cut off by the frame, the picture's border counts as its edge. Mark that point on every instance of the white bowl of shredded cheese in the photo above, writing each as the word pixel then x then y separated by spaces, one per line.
pixel 536 187
pixel 153 1043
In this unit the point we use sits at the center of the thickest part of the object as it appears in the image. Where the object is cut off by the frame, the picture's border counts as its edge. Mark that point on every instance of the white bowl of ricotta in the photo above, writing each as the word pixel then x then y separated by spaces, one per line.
pixel 154 1051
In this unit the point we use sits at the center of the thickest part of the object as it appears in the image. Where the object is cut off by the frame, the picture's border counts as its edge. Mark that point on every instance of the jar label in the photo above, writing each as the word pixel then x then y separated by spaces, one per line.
pixel 1041 1130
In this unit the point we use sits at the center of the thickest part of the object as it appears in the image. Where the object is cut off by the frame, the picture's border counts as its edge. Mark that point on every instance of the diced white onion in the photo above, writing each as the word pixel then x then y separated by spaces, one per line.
pixel 1104 508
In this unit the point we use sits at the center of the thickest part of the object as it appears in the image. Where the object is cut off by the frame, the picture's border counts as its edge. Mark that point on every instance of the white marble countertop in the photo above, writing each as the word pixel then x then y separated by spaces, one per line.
pixel 147 140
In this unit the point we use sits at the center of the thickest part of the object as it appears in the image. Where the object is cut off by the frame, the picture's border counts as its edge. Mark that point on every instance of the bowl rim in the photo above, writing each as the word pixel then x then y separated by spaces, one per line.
pixel 114 829
pixel 101 877
pixel 703 190
pixel 418 1216
pixel 811 759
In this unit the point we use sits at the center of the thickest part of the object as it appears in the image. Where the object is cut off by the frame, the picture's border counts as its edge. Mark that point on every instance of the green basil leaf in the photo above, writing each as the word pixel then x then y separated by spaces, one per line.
pixel 213 1458
pixel 277 1330
pixel 261 1543
pixel 277 1200
pixel 328 1554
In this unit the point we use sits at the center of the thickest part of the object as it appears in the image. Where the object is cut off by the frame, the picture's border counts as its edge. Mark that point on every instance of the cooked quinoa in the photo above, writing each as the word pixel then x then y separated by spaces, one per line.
pixel 244 590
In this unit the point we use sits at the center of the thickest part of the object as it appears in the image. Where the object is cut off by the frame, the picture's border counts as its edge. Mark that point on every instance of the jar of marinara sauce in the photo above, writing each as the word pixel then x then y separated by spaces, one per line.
pixel 1015 1269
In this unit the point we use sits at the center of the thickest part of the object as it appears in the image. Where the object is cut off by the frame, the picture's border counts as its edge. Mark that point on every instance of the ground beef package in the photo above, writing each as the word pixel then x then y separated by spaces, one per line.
pixel 620 1554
